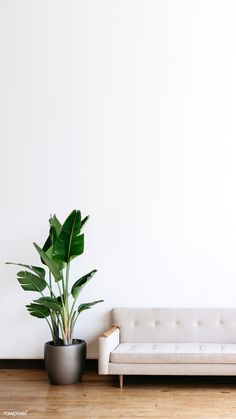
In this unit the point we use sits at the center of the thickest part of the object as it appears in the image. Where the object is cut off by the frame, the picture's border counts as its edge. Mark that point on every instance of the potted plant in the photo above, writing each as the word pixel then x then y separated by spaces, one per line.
pixel 64 355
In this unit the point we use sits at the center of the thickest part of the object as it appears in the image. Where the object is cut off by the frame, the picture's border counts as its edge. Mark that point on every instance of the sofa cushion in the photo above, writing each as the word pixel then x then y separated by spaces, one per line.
pixel 167 325
pixel 188 353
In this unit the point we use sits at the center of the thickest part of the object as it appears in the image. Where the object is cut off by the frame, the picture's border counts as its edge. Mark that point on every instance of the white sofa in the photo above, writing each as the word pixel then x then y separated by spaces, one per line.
pixel 169 341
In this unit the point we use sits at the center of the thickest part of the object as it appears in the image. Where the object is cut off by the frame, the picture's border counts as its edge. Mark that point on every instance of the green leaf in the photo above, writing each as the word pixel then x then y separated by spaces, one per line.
pixel 60 300
pixel 48 243
pixel 84 221
pixel 86 306
pixel 55 224
pixel 31 282
pixel 49 302
pixel 50 263
pixel 37 270
pixel 37 310
pixel 54 231
pixel 70 242
pixel 48 248
pixel 80 284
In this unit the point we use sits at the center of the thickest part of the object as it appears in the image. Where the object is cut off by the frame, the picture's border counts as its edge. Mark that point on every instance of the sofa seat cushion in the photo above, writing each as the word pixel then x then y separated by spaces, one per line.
pixel 177 353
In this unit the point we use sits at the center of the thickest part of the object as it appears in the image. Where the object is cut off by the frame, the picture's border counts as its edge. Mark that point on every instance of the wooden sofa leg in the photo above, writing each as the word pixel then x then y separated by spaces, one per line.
pixel 121 380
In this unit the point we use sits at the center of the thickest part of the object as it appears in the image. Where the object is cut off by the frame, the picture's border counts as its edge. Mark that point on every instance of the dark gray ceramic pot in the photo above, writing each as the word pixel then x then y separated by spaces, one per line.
pixel 65 364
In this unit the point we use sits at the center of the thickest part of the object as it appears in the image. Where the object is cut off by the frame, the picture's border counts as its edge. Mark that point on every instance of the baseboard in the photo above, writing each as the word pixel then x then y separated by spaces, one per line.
pixel 91 364
pixel 21 363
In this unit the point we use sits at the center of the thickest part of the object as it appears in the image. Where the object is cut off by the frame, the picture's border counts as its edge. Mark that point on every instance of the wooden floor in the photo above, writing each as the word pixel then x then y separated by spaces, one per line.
pixel 28 392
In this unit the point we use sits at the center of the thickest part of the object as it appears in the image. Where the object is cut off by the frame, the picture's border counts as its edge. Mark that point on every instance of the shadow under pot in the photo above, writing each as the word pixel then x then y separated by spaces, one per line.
pixel 65 364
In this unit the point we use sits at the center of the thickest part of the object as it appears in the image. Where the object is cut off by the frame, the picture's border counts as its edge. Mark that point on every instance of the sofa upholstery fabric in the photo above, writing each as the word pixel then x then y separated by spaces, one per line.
pixel 166 341
pixel 209 325
pixel 168 353
pixel 172 369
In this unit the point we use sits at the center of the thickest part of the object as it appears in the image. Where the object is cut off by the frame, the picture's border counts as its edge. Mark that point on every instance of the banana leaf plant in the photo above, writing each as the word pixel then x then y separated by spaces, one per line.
pixel 58 301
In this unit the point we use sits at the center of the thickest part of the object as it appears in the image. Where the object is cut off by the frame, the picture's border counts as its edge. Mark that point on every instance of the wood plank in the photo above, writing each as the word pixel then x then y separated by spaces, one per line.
pixel 100 396
pixel 110 331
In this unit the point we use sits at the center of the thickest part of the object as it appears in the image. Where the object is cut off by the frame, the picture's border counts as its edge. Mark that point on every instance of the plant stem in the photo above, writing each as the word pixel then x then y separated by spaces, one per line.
pixel 50 288
pixel 75 320
pixel 67 316
pixel 72 324
pixel 54 318
pixel 52 332
pixel 62 296
pixel 63 284
pixel 50 282
pixel 67 286
pixel 59 289
pixel 51 327
pixel 62 331
pixel 72 308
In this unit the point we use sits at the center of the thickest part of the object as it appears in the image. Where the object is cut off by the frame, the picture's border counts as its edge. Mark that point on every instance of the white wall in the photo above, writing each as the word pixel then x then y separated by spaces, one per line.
pixel 126 110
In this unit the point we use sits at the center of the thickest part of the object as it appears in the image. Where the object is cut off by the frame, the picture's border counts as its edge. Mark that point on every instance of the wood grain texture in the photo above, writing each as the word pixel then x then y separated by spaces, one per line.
pixel 121 380
pixel 109 331
pixel 100 397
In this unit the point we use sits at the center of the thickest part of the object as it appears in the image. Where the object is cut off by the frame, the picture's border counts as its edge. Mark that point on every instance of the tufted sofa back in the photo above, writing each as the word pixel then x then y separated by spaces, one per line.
pixel 176 324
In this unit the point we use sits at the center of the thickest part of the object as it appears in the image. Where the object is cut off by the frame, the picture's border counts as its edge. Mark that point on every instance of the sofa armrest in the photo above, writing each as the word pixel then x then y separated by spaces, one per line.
pixel 106 343
pixel 109 331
